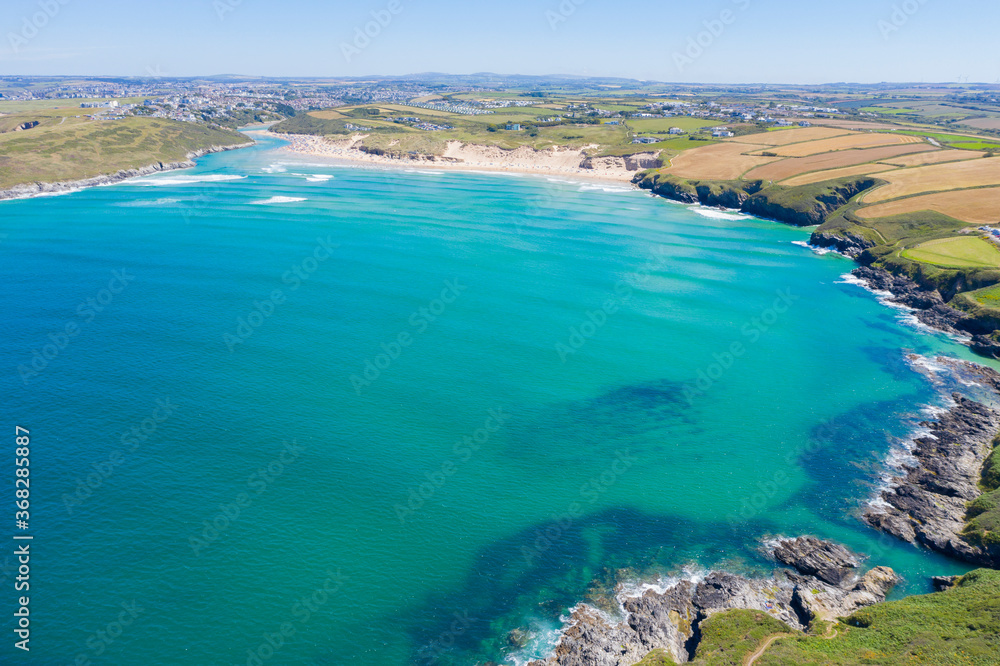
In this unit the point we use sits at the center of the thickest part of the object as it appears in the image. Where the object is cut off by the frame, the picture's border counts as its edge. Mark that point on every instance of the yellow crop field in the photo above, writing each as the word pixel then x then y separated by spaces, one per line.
pixel 975 207
pixel 937 178
pixel 721 161
pixel 934 158
pixel 845 143
pixel 795 166
pixel 830 174
pixel 785 137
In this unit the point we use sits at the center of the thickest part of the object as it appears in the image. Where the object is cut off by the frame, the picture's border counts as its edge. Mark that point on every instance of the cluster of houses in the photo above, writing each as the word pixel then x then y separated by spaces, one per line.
pixel 111 104
pixel 431 127
pixel 461 109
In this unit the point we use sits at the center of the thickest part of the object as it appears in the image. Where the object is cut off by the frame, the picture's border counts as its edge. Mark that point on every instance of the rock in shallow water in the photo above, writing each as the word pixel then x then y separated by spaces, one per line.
pixel 830 562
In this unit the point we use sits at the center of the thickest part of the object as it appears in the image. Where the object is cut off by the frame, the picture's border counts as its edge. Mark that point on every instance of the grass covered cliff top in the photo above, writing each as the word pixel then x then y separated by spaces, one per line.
pixel 57 145
pixel 958 626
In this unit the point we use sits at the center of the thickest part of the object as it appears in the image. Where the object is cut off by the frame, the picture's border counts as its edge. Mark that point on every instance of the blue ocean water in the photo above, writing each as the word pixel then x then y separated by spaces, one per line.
pixel 297 413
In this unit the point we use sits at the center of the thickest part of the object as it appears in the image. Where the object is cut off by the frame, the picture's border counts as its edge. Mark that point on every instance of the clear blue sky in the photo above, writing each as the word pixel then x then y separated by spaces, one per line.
pixel 766 41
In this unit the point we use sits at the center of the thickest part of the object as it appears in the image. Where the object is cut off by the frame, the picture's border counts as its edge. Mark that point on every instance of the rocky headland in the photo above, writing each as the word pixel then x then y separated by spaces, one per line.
pixel 928 505
pixel 823 584
pixel 28 190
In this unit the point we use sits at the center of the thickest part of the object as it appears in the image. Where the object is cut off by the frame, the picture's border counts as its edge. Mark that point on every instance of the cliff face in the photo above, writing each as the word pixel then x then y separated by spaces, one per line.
pixel 808 205
pixel 928 506
pixel 800 206
pixel 628 162
pixel 707 193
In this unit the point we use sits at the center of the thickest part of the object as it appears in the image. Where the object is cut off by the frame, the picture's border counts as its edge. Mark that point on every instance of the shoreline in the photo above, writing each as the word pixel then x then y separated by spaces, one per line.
pixel 474 158
pixel 43 189
pixel 822 581
pixel 927 305
pixel 925 506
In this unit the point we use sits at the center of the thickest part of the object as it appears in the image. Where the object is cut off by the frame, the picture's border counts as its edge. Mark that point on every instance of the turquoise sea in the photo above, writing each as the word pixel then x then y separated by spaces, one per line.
pixel 291 413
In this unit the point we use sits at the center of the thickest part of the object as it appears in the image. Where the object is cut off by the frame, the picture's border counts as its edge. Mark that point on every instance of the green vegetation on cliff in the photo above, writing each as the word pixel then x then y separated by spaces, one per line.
pixel 958 626
pixel 727 638
pixel 983 514
pixel 64 147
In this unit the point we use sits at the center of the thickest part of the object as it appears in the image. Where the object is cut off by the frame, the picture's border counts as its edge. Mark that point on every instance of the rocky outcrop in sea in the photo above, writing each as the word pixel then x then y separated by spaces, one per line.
pixel 824 585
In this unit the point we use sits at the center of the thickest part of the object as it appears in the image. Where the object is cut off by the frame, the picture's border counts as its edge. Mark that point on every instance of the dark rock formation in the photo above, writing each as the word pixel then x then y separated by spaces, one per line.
pixel 928 304
pixel 830 562
pixel 942 583
pixel 852 246
pixel 928 505
pixel 670 620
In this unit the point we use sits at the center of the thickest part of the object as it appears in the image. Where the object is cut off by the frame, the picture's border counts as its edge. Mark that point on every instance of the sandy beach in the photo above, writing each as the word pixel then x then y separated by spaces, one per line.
pixel 553 162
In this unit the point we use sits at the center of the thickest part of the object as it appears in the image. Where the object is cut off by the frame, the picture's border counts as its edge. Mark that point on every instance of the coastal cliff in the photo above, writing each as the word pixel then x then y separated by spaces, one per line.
pixel 800 206
pixel 930 504
pixel 823 586
pixel 28 190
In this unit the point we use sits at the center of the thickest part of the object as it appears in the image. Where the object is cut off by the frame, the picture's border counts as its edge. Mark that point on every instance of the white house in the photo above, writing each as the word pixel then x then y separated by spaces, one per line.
pixel 676 130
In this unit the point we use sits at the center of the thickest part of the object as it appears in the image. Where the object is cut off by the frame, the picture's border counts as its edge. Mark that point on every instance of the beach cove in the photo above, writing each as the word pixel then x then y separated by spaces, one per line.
pixel 793 437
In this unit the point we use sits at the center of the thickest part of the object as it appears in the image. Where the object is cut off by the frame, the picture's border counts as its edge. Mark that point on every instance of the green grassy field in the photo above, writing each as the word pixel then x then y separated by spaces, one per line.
pixel 886 109
pixel 960 141
pixel 959 252
pixel 654 125
pixel 63 147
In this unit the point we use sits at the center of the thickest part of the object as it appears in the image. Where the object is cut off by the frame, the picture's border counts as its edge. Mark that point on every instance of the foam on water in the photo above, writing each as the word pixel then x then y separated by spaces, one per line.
pixel 605 188
pixel 718 214
pixel 165 201
pixel 166 181
pixel 318 178
pixel 815 248
pixel 278 200
pixel 542 640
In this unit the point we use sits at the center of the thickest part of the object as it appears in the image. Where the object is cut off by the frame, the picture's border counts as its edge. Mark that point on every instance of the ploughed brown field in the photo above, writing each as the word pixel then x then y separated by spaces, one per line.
pixel 980 206
pixel 937 178
pixel 844 158
pixel 983 123
pixel 721 161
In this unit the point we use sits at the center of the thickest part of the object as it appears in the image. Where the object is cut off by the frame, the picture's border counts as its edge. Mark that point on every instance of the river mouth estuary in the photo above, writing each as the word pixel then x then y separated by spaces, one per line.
pixel 358 415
